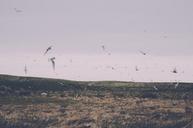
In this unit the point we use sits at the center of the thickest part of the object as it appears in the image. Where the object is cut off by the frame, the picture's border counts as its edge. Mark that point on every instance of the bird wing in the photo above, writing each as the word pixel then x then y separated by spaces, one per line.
pixel 53 64
pixel 48 49
pixel 46 52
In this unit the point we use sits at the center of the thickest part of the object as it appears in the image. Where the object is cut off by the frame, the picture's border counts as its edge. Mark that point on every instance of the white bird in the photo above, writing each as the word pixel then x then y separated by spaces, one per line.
pixel 61 83
pixel 177 84
pixel 48 49
pixel 44 94
pixel 53 62
pixel 155 88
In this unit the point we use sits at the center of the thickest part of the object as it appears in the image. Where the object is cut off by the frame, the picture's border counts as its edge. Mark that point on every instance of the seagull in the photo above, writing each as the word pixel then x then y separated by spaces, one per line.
pixel 155 88
pixel 111 67
pixel 48 49
pixel 53 62
pixel 103 47
pixel 17 10
pixel 143 53
pixel 105 50
pixel 136 68
pixel 174 70
pixel 25 69
pixel 177 84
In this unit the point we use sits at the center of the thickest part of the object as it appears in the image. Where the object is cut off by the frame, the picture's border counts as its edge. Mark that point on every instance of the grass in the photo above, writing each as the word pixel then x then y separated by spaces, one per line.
pixel 100 104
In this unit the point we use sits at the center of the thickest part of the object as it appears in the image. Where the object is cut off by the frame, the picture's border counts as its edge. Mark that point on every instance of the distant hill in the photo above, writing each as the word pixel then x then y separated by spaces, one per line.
pixel 29 102
pixel 21 86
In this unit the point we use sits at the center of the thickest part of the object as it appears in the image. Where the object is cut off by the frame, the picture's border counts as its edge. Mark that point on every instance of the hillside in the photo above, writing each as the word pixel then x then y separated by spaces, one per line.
pixel 28 102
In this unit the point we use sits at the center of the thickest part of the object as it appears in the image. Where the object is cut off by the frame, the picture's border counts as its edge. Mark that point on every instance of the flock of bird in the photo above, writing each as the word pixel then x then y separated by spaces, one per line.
pixel 52 59
pixel 105 50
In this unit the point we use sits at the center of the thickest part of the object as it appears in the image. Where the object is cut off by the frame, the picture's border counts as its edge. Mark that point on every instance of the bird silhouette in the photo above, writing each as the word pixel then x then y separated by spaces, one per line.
pixel 103 47
pixel 17 10
pixel 48 49
pixel 105 50
pixel 174 70
pixel 25 69
pixel 136 68
pixel 53 62
pixel 143 53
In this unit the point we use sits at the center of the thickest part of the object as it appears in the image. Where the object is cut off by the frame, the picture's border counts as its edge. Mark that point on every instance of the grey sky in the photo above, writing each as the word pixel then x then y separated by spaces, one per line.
pixel 162 27
pixel 78 28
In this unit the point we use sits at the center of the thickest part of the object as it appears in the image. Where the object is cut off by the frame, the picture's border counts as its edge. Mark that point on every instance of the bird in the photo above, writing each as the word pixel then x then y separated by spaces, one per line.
pixel 143 53
pixel 105 50
pixel 17 10
pixel 44 94
pixel 136 68
pixel 48 49
pixel 155 88
pixel 61 83
pixel 111 67
pixel 53 62
pixel 25 69
pixel 174 70
pixel 103 47
pixel 177 84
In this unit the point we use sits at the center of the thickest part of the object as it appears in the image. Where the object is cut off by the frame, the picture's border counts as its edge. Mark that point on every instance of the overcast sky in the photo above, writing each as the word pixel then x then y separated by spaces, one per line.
pixel 158 27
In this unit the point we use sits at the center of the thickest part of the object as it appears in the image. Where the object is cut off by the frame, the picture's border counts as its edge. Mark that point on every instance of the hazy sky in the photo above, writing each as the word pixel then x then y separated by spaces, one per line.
pixel 159 27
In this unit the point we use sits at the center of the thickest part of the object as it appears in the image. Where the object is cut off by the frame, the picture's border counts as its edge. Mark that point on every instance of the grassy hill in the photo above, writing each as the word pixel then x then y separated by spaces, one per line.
pixel 28 102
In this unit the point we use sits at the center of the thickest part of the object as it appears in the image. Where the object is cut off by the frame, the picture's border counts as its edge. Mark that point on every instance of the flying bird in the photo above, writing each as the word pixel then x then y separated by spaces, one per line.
pixel 17 10
pixel 143 53
pixel 103 47
pixel 155 88
pixel 25 69
pixel 48 49
pixel 165 37
pixel 111 67
pixel 53 62
pixel 136 68
pixel 174 70
pixel 177 84
pixel 105 50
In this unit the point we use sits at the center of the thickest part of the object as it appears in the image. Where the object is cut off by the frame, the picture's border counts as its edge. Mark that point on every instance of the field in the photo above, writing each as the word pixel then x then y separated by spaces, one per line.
pixel 27 102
